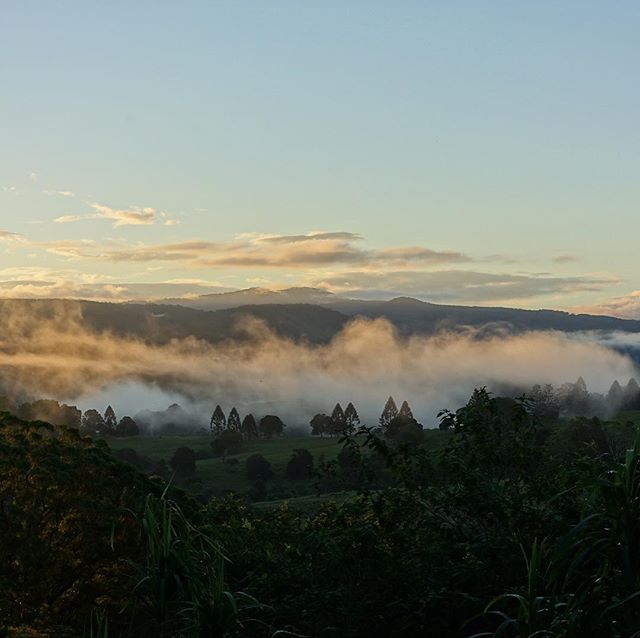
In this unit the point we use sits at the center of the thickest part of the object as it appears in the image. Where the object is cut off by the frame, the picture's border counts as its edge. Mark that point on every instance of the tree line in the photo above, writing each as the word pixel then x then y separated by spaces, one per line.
pixel 392 423
pixel 248 428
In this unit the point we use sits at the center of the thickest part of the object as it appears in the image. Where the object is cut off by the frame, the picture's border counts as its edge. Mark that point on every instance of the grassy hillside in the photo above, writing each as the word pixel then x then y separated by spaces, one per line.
pixel 218 475
pixel 226 475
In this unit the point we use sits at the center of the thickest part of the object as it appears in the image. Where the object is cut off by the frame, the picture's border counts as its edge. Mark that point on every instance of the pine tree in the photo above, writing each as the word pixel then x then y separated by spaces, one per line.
pixel 389 413
pixel 614 396
pixel 338 421
pixel 218 422
pixel 110 420
pixel 631 399
pixel 249 427
pixel 351 418
pixel 233 422
pixel 405 411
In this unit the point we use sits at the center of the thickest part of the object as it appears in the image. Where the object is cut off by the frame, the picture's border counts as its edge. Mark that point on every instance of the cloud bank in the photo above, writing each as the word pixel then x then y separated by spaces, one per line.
pixel 50 352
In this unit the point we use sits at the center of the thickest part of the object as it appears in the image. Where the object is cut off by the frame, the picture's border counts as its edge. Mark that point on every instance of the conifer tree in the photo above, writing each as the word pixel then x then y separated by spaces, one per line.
pixel 389 413
pixel 405 411
pixel 218 422
pixel 249 427
pixel 614 396
pixel 338 421
pixel 110 420
pixel 631 398
pixel 351 417
pixel 233 422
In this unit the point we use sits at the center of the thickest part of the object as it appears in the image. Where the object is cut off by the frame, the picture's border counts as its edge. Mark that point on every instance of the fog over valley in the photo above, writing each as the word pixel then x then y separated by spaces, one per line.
pixel 53 351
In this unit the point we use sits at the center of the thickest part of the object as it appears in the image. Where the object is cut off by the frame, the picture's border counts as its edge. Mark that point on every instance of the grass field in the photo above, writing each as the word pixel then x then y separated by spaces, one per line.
pixel 218 475
pixel 627 416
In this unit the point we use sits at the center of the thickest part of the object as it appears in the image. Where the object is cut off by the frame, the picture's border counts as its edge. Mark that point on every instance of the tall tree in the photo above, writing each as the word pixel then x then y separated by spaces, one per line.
pixel 351 417
pixel 631 398
pixel 93 423
pixel 110 420
pixel 338 421
pixel 405 411
pixel 233 422
pixel 127 427
pixel 614 396
pixel 389 413
pixel 270 425
pixel 320 425
pixel 249 427
pixel 218 421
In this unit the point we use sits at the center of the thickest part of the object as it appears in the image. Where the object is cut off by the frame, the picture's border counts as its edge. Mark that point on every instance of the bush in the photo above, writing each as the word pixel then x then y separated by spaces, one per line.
pixel 300 466
pixel 227 442
pixel 258 468
pixel 183 461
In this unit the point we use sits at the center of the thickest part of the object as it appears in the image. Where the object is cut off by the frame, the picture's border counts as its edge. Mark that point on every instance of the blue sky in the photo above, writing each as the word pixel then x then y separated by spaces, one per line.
pixel 466 152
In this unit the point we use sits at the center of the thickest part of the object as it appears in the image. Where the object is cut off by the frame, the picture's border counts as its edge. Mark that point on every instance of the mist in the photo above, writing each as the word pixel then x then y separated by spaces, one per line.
pixel 54 355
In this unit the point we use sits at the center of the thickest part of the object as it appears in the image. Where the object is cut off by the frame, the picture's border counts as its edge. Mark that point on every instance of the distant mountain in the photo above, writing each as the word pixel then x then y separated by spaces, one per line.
pixel 255 297
pixel 315 323
pixel 412 316
pixel 159 323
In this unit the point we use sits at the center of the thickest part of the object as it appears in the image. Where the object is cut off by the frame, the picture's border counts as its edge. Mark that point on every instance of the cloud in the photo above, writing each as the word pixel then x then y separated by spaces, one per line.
pixel 460 285
pixel 565 259
pixel 5 235
pixel 36 283
pixel 627 306
pixel 59 193
pixel 10 189
pixel 134 216
pixel 47 349
pixel 268 251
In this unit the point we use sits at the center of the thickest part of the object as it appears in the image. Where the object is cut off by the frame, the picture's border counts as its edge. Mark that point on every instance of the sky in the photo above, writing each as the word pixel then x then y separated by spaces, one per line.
pixel 481 153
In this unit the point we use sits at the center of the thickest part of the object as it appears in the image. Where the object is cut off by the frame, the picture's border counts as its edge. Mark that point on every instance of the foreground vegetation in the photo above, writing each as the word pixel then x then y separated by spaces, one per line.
pixel 511 527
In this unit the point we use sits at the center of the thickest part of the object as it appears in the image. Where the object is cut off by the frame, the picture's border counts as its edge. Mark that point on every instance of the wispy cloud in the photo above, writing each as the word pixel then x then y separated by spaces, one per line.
pixel 626 306
pixel 565 259
pixel 133 216
pixel 5 235
pixel 59 193
pixel 274 251
pixel 460 285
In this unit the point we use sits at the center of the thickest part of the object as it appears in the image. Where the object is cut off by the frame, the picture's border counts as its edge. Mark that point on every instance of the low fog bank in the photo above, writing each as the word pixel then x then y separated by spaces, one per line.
pixel 56 356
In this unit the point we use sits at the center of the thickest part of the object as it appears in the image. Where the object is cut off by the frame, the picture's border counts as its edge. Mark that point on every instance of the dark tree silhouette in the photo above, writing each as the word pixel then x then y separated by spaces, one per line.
pixel 127 427
pixel 405 411
pixel 338 421
pixel 233 422
pixel 320 425
pixel 544 402
pixel 227 442
pixel 218 422
pixel 404 427
pixel 258 468
pixel 249 427
pixel 351 417
pixel 300 465
pixel 389 413
pixel 92 422
pixel 271 425
pixel 110 420
pixel 614 396
pixel 183 461
pixel 631 398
